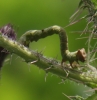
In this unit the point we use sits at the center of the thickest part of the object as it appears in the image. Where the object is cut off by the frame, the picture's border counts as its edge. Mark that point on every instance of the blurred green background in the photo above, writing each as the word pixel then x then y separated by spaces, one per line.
pixel 21 81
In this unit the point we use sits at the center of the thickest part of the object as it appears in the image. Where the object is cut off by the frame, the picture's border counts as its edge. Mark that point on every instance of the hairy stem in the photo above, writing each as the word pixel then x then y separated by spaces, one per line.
pixel 49 65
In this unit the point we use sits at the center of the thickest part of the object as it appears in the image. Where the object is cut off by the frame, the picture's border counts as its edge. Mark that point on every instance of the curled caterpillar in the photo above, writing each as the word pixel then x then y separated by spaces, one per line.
pixel 35 35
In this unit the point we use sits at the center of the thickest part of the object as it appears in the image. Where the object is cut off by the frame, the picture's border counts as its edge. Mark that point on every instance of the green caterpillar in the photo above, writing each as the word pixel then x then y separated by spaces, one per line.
pixel 35 35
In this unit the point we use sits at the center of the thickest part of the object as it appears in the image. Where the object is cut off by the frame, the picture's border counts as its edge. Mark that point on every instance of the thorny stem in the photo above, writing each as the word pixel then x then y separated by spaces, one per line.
pixel 89 78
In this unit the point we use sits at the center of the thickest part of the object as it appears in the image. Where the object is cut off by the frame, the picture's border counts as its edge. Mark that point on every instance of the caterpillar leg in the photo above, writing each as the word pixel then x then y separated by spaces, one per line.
pixel 74 64
pixel 63 63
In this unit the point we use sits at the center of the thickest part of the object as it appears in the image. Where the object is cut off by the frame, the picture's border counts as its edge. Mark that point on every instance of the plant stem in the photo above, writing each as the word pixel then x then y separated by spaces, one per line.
pixel 49 65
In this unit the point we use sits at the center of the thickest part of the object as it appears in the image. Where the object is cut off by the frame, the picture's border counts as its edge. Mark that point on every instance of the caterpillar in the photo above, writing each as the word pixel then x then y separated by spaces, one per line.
pixel 35 35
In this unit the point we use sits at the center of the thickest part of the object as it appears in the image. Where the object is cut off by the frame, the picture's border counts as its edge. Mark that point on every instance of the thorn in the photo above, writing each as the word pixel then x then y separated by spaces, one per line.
pixel 42 51
pixel 11 58
pixel 80 31
pixel 67 96
pixel 29 67
pixel 62 82
pixel 48 68
pixel 65 71
pixel 46 76
pixel 52 75
pixel 7 60
pixel 74 14
pixel 91 90
pixel 38 55
pixel 17 57
pixel 34 61
pixel 88 95
pixel 76 21
pixel 86 28
pixel 82 38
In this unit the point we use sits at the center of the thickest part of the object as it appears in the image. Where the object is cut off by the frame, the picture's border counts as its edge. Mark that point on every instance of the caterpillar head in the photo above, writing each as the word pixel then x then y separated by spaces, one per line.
pixel 81 55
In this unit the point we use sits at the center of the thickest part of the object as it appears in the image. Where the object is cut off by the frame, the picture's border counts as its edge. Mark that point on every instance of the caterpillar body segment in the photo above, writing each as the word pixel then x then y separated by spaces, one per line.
pixel 35 35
